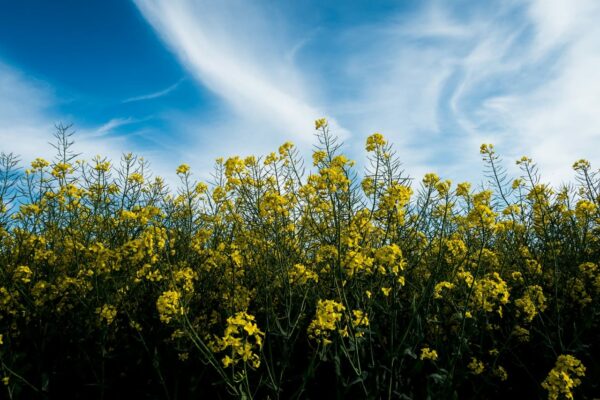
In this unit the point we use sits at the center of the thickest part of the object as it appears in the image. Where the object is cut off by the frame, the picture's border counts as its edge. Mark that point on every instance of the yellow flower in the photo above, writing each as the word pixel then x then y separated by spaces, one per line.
pixel 285 148
pixel 532 302
pixel 183 169
pixel 428 354
pixel 437 291
pixel 240 338
pixel 463 189
pixel 375 141
pixel 328 316
pixel 430 179
pixel 227 361
pixel 477 367
pixel 23 273
pixel 386 291
pixel 320 123
pixel 520 333
pixel 578 165
pixel 486 149
pixel 107 313
pixel 564 377
pixel 517 183
pixel 301 275
pixel 39 163
pixel 169 306
pixel 360 322
pixel 136 177
pixel 500 373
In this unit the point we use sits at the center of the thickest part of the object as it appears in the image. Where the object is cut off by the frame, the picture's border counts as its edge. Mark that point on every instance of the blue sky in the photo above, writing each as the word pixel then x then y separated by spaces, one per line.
pixel 189 81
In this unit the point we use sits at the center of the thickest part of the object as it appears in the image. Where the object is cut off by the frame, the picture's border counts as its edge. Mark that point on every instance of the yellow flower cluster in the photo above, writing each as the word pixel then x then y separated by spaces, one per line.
pixel 240 340
pixel 490 293
pixel 23 273
pixel 348 273
pixel 328 319
pixel 107 313
pixel 183 169
pixel 428 354
pixel 360 322
pixel 375 141
pixel 439 287
pixel 564 377
pixel 169 306
pixel 532 302
pixel 301 275
pixel 476 366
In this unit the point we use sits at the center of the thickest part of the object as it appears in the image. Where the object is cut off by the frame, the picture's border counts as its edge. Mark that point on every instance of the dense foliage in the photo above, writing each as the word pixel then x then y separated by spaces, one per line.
pixel 273 282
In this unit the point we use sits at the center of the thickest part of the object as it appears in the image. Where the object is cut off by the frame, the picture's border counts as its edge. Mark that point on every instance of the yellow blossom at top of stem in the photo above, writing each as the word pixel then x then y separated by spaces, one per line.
pixel 486 148
pixel 578 165
pixel 430 179
pixel 375 141
pixel 524 160
pixel 136 177
pixel 360 321
pixel 102 166
pixel 39 163
pixel 320 123
pixel 463 189
pixel 183 169
pixel 285 148
pixel 517 183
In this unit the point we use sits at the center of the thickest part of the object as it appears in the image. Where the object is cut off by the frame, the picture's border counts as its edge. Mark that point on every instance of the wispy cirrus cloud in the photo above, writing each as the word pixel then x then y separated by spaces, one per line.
pixel 155 95
pixel 440 81
pixel 242 54
pixel 28 118
pixel 110 126
pixel 436 80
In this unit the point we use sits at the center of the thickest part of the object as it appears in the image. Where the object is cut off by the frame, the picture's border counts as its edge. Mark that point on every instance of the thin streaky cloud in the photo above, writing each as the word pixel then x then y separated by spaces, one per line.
pixel 249 75
pixel 28 117
pixel 111 125
pixel 155 95
pixel 435 80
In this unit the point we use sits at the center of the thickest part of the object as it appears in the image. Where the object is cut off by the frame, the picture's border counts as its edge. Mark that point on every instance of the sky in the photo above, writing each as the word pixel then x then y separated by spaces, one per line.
pixel 192 80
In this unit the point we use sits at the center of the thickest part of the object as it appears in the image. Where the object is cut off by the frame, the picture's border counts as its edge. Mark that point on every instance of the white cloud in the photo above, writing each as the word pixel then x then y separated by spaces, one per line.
pixel 437 82
pixel 557 121
pixel 28 118
pixel 110 126
pixel 440 84
pixel 244 56
pixel 155 95
pixel 24 123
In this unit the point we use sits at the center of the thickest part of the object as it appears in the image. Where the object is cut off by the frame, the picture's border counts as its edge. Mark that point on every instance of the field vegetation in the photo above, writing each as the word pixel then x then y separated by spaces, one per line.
pixel 280 279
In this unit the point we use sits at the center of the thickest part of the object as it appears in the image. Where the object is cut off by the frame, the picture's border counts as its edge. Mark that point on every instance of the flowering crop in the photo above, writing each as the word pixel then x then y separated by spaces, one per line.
pixel 276 282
